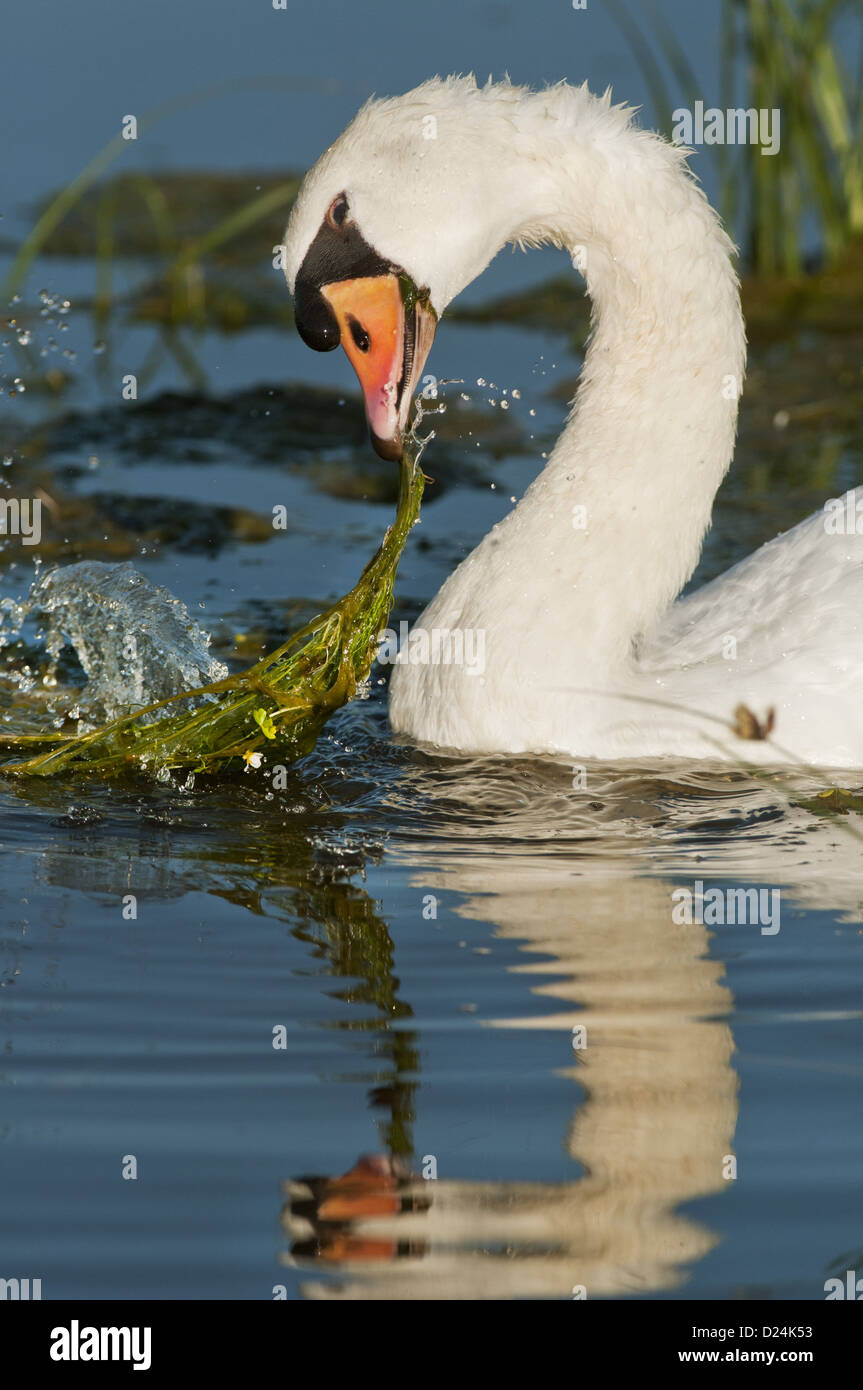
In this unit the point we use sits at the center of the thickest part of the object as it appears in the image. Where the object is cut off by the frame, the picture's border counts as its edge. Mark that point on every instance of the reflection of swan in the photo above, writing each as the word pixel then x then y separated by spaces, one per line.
pixel 572 589
pixel 660 1101
pixel 653 1132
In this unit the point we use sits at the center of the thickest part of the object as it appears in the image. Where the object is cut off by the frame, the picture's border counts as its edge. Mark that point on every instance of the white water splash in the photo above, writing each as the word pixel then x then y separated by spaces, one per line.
pixel 135 641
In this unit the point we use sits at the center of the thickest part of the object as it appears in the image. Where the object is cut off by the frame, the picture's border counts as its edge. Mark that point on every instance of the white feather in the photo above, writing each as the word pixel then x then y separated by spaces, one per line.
pixel 584 644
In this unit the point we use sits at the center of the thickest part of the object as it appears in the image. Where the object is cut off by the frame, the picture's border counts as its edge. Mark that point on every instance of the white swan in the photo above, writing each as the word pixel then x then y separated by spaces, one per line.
pixel 586 652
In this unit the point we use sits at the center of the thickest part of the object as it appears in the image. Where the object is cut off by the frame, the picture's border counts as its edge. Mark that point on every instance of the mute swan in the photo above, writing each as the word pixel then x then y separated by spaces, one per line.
pixel 587 654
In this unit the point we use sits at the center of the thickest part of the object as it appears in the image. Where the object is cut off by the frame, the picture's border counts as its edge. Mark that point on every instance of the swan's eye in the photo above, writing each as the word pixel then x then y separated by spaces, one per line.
pixel 359 334
pixel 338 211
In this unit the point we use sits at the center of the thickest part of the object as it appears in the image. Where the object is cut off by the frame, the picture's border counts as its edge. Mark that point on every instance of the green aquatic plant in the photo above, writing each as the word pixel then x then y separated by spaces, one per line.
pixel 277 707
pixel 141 215
pixel 795 57
pixel 57 209
pixel 834 801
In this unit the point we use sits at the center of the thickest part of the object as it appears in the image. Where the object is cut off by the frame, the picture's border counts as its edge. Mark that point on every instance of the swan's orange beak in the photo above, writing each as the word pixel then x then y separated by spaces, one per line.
pixel 386 328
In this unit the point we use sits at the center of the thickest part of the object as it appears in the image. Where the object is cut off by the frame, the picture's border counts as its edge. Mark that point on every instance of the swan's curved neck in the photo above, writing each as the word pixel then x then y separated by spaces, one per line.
pixel 614 524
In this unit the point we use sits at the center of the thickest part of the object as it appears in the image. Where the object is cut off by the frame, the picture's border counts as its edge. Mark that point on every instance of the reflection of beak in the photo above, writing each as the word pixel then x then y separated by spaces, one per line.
pixel 386 329
pixel 330 1218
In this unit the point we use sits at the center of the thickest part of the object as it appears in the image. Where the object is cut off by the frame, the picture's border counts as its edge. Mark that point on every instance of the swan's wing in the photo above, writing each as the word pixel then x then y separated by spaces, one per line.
pixel 782 628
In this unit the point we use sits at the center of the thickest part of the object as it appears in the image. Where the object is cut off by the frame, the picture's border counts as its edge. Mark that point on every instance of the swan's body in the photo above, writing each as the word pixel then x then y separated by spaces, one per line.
pixel 574 590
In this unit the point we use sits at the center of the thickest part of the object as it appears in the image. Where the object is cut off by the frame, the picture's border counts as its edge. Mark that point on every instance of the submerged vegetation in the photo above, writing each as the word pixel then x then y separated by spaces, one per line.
pixel 277 706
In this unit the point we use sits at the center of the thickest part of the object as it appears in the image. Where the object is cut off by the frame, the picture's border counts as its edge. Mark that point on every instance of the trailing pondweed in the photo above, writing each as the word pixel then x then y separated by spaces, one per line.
pixel 278 705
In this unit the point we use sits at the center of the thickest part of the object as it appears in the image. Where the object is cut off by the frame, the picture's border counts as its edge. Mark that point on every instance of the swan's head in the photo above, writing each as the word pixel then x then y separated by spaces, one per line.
pixel 394 220
pixel 346 291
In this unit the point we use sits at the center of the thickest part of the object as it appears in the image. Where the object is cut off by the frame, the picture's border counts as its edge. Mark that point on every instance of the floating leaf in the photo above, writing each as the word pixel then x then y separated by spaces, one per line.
pixel 834 801
pixel 265 723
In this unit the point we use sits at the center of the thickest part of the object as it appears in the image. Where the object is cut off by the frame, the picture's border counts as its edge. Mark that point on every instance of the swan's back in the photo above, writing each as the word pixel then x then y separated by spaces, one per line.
pixel 783 628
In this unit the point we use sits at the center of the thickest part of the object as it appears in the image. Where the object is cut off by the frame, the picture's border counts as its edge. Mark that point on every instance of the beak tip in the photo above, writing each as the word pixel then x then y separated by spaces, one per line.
pixel 388 448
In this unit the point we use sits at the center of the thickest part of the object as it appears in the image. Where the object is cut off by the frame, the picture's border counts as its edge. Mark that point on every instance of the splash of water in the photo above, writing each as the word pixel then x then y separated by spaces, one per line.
pixel 134 640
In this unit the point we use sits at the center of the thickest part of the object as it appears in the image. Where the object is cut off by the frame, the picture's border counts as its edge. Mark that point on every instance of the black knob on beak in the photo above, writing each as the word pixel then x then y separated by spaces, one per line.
pixel 316 323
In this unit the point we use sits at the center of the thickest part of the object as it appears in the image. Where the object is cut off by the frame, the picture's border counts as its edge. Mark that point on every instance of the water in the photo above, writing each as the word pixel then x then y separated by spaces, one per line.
pixel 470 968
pixel 428 934
pixel 420 936
pixel 134 641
